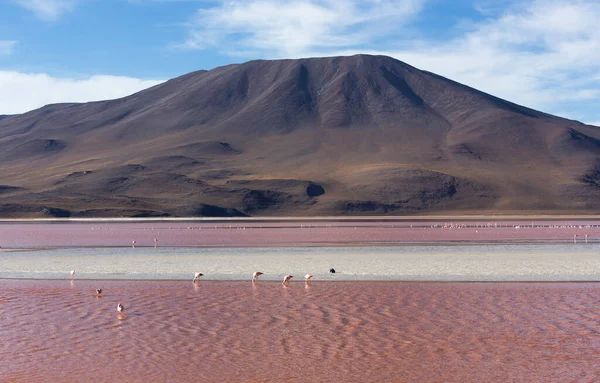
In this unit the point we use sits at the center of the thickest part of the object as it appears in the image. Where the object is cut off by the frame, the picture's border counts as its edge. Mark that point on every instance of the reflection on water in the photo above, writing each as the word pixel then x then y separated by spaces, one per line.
pixel 196 286
pixel 333 332
pixel 531 262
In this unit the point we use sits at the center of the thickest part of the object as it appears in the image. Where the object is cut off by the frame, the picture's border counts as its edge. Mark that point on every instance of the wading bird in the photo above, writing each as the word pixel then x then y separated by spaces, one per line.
pixel 72 274
pixel 307 277
pixel 287 278
pixel 196 276
pixel 120 308
pixel 256 275
pixel 98 291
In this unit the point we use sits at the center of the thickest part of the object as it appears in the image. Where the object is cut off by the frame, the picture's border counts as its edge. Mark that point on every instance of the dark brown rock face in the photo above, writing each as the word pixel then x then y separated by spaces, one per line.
pixel 320 136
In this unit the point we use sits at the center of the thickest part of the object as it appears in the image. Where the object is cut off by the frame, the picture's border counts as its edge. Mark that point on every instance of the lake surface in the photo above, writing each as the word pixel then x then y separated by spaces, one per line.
pixel 464 262
pixel 410 302
pixel 342 331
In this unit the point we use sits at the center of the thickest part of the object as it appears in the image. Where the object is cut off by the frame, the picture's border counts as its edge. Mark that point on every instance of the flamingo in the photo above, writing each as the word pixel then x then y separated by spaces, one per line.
pixel 133 244
pixel 196 276
pixel 155 242
pixel 98 291
pixel 256 275
pixel 307 277
pixel 286 279
pixel 332 270
pixel 120 308
pixel 72 274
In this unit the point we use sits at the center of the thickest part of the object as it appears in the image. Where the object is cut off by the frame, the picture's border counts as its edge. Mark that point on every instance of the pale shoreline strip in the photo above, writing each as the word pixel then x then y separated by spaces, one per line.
pixel 539 217
pixel 297 282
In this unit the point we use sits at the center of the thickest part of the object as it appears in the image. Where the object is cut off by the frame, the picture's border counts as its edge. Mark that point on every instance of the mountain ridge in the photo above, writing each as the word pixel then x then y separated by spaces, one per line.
pixel 377 135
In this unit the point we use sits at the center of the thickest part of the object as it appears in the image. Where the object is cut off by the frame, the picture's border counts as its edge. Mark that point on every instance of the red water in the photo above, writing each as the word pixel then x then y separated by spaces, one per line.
pixel 26 235
pixel 214 331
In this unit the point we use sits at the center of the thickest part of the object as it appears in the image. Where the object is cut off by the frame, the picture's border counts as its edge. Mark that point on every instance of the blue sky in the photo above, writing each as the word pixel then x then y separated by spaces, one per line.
pixel 544 54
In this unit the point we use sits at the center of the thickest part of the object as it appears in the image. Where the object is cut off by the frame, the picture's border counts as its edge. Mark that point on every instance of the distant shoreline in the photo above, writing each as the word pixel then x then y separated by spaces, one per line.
pixel 341 244
pixel 308 219
pixel 298 231
pixel 296 282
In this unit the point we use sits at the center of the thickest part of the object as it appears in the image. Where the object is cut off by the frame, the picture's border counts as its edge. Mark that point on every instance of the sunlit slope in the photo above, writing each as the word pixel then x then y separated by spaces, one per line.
pixel 320 136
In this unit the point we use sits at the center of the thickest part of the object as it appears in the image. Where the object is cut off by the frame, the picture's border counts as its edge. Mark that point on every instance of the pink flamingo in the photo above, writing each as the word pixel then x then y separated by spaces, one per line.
pixel 256 275
pixel 286 279
pixel 72 274
pixel 196 276
pixel 133 243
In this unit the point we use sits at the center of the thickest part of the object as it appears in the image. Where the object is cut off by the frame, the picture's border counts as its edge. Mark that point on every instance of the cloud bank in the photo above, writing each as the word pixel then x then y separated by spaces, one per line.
pixel 22 92
pixel 543 54
pixel 279 28
pixel 48 10
pixel 540 53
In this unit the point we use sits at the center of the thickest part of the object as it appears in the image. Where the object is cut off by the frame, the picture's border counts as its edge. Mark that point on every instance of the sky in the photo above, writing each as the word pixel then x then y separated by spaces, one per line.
pixel 544 54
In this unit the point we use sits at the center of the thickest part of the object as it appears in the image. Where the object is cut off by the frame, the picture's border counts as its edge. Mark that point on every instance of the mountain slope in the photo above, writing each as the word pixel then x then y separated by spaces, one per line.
pixel 372 134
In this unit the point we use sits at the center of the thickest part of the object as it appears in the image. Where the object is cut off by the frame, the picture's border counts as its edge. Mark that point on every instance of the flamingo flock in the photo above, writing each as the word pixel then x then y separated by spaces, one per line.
pixel 308 277
pixel 255 276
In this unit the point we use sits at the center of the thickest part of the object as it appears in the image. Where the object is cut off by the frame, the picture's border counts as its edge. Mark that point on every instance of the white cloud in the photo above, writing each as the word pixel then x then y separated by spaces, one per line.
pixel 6 47
pixel 21 92
pixel 283 28
pixel 48 10
pixel 539 53
pixel 142 2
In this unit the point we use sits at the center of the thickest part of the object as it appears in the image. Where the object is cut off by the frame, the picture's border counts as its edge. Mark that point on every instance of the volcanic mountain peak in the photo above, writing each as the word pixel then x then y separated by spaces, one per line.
pixel 371 134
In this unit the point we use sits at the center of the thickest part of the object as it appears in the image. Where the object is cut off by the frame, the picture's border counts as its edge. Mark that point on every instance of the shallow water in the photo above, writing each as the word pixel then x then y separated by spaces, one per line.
pixel 290 233
pixel 466 262
pixel 236 331
pixel 336 329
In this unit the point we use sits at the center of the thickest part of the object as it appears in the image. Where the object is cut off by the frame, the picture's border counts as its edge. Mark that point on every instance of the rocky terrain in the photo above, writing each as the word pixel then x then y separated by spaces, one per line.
pixel 359 135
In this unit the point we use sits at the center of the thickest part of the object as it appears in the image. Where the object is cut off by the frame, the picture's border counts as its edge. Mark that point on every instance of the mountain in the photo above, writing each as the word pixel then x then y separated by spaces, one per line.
pixel 352 135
